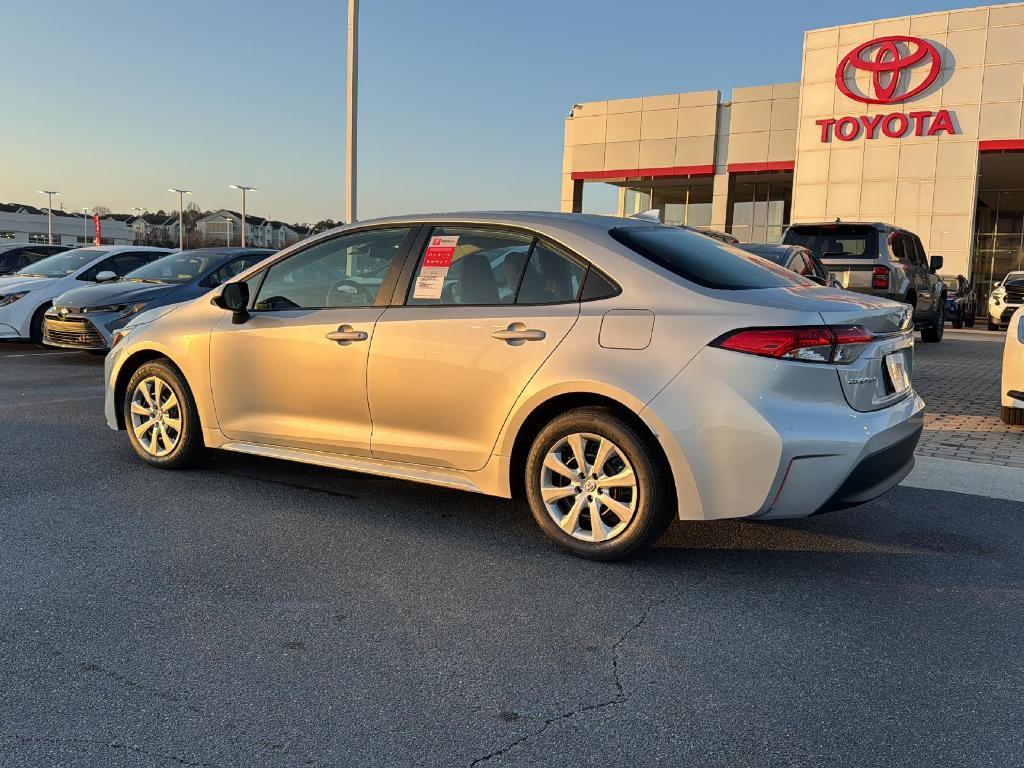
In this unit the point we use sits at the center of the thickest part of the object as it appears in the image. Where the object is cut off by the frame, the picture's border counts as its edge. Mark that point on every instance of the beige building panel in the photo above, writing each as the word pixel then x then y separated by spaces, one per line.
pixel 956 160
pixel 963 86
pixel 1007 14
pixel 752 93
pixel 809 202
pixel 567 160
pixel 965 118
pixel 786 91
pixel 658 124
pixel 928 24
pixel 781 146
pixel 622 106
pixel 999 121
pixel 748 147
pixel 892 27
pixel 819 99
pixel 1004 45
pixel 822 38
pixel 914 197
pixel 1004 82
pixel 785 114
pixel 622 155
pixel 972 19
pixel 812 168
pixel 820 65
pixel 623 127
pixel 668 101
pixel 590 108
pixel 917 161
pixel 589 130
pixel 855 34
pixel 750 116
pixel 567 188
pixel 698 99
pixel 953 196
pixel 658 153
pixel 881 161
pixel 695 150
pixel 878 199
pixel 588 157
pixel 968 46
pixel 809 136
pixel 949 232
pixel 697 121
pixel 846 164
pixel 919 225
pixel 843 202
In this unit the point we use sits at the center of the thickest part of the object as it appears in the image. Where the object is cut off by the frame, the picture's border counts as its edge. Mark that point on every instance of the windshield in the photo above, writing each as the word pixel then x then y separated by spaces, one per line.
pixel 704 261
pixel 176 268
pixel 836 241
pixel 1016 279
pixel 63 264
pixel 953 283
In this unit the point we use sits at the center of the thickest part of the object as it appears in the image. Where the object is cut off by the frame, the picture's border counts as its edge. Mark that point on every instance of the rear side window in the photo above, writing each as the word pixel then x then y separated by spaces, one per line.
pixel 551 277
pixel 835 241
pixel 704 261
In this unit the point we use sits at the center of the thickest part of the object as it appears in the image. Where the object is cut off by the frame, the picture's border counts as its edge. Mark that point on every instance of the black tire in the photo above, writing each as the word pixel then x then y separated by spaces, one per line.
pixel 932 334
pixel 992 326
pixel 189 449
pixel 655 499
pixel 969 321
pixel 956 322
pixel 1013 416
pixel 35 328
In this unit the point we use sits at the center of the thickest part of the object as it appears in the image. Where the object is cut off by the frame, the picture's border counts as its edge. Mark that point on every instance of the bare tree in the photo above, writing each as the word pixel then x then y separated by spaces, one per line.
pixel 101 210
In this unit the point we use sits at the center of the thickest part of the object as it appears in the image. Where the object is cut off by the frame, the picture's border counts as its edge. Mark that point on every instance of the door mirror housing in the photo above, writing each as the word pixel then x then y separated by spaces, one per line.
pixel 817 279
pixel 936 263
pixel 235 297
pixel 106 276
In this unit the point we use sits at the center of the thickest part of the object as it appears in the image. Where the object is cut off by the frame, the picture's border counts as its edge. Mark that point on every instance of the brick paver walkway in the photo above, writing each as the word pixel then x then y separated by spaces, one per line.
pixel 959 380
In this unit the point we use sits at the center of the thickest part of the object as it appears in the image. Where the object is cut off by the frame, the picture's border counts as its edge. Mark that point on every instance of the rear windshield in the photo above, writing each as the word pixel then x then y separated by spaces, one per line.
pixel 836 241
pixel 704 261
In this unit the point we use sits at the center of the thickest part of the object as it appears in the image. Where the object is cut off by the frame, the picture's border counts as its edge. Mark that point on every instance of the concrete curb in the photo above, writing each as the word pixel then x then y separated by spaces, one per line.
pixel 990 480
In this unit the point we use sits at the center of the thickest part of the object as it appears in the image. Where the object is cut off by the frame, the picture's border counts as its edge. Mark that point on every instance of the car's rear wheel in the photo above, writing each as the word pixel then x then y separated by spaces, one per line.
pixel 160 417
pixel 1014 416
pixel 969 320
pixel 933 333
pixel 957 322
pixel 992 326
pixel 597 486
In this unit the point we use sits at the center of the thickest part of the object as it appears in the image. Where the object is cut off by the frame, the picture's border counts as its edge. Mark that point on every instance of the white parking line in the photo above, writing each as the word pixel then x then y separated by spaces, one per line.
pixel 37 354
pixel 992 481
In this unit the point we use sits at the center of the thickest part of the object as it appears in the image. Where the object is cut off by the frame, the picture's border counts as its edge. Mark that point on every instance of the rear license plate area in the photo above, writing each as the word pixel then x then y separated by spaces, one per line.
pixel 897 378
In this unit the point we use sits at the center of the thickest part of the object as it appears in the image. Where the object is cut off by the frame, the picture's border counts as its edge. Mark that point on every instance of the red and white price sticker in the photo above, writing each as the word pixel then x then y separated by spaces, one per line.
pixel 436 263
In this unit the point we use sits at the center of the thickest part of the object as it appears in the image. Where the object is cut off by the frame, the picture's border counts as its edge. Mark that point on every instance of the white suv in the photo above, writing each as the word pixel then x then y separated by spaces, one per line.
pixel 1006 298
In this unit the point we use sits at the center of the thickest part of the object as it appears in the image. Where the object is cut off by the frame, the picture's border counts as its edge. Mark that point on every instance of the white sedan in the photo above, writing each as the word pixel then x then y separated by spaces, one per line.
pixel 1013 371
pixel 26 295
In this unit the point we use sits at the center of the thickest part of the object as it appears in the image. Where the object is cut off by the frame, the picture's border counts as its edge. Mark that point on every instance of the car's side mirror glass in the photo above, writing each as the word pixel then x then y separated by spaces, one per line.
pixel 106 276
pixel 235 297
pixel 818 279
pixel 936 263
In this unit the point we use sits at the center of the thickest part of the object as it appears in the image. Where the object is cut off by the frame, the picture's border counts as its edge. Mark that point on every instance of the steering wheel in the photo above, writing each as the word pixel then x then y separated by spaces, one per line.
pixel 355 295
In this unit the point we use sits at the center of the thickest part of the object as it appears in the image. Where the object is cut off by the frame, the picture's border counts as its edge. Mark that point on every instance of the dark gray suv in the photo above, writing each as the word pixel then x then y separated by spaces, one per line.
pixel 880 260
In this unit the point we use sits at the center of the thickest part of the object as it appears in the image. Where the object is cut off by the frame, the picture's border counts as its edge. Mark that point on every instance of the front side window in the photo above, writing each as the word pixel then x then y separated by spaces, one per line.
pixel 63 264
pixel 121 265
pixel 232 268
pixel 704 261
pixel 345 271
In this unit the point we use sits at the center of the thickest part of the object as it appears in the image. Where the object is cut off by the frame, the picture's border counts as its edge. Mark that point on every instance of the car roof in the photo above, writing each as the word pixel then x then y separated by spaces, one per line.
pixel 531 219
pixel 881 226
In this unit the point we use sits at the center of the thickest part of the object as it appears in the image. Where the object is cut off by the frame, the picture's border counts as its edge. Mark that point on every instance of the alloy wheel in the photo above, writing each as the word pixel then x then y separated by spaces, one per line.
pixel 156 416
pixel 588 487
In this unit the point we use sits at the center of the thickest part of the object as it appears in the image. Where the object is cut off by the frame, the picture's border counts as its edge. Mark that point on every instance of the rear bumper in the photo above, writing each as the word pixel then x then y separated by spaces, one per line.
pixel 876 474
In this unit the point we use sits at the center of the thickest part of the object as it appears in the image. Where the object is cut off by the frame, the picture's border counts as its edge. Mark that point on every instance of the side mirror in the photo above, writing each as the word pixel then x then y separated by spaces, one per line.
pixel 817 279
pixel 936 263
pixel 235 297
pixel 106 276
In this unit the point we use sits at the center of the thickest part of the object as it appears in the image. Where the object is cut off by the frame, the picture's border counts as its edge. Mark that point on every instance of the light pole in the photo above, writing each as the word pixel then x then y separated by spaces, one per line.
pixel 85 226
pixel 244 189
pixel 181 215
pixel 49 213
pixel 229 225
pixel 350 120
pixel 139 211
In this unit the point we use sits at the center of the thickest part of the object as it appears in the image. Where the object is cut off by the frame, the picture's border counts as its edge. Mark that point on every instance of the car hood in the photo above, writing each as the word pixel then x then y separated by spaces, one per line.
pixel 112 293
pixel 837 307
pixel 13 284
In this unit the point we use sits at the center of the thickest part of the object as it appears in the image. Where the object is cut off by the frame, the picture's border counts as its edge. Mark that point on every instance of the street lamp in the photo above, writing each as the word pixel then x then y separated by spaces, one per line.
pixel 181 215
pixel 244 189
pixel 350 126
pixel 49 213
pixel 85 226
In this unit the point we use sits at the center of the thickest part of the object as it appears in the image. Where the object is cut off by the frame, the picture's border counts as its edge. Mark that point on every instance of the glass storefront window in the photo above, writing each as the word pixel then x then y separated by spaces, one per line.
pixel 688 205
pixel 760 210
pixel 998 240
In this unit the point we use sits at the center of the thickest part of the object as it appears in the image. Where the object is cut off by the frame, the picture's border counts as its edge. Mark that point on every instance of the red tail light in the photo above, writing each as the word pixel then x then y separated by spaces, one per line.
pixel 880 278
pixel 811 344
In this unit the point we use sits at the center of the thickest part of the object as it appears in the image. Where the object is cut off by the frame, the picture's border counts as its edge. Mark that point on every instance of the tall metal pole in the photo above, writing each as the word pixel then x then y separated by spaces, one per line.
pixel 85 226
pixel 49 213
pixel 351 117
pixel 243 217
pixel 181 215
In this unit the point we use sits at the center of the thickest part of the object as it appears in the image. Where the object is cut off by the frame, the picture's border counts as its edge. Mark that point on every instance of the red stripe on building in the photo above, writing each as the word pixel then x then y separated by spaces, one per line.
pixel 780 165
pixel 1001 145
pixel 679 170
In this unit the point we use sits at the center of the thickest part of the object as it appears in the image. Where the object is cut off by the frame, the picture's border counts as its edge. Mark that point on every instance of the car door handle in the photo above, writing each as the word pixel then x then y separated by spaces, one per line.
pixel 518 333
pixel 345 335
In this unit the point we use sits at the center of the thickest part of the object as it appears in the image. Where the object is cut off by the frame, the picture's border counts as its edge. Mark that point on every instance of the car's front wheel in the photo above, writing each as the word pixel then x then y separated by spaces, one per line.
pixel 597 486
pixel 160 417
pixel 933 333
pixel 992 326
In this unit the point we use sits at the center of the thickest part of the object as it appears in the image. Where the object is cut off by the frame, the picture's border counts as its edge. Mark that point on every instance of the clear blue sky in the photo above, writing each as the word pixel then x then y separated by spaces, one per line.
pixel 462 101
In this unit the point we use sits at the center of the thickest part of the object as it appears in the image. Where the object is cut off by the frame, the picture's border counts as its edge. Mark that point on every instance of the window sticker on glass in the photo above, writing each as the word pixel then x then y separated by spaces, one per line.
pixel 436 262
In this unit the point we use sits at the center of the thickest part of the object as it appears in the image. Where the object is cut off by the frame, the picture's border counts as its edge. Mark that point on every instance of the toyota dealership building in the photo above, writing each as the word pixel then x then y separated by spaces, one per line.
pixel 915 121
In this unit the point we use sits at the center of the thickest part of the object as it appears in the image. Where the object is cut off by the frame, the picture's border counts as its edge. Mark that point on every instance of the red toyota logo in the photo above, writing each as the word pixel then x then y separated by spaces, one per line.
pixel 890 61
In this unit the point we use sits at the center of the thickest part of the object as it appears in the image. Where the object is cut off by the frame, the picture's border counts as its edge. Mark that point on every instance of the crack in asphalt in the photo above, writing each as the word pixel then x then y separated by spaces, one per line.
pixel 109 745
pixel 284 483
pixel 621 695
pixel 135 685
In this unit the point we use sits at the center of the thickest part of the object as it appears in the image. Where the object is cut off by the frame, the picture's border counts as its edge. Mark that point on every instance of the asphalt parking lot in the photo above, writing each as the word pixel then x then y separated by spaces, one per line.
pixel 256 613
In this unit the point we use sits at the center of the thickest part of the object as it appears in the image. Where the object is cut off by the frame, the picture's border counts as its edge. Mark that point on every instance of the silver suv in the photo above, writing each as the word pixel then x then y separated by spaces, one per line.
pixel 880 260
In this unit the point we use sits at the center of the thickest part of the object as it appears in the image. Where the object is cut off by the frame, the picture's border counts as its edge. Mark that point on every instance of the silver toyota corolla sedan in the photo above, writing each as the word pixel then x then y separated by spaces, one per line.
pixel 614 373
